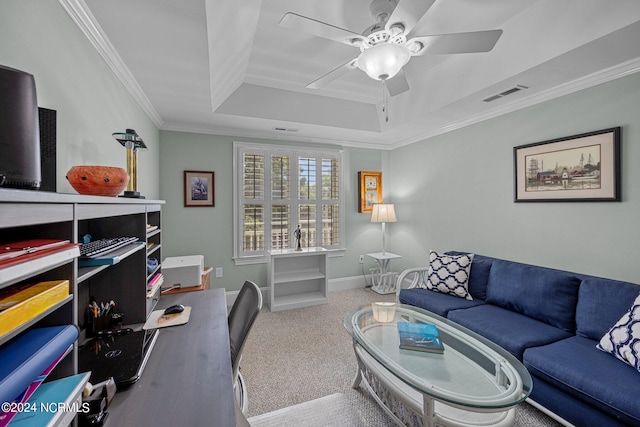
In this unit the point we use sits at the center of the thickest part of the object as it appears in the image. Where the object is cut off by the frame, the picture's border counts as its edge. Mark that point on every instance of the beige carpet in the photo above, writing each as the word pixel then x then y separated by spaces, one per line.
pixel 297 356
pixel 324 411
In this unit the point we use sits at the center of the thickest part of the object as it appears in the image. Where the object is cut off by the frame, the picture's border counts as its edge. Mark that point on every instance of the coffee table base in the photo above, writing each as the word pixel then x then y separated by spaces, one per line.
pixel 408 407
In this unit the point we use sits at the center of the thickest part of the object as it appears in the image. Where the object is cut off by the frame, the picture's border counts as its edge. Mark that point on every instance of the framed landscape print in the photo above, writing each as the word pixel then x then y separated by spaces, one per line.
pixel 369 190
pixel 583 167
pixel 198 189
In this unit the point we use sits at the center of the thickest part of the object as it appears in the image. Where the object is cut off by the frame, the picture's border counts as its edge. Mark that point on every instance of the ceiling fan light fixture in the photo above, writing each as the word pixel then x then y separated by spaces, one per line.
pixel 383 61
pixel 414 46
pixel 396 30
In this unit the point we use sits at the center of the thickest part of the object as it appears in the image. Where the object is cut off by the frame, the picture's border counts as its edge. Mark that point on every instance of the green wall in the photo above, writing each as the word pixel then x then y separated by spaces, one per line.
pixel 455 191
pixel 209 232
pixel 39 37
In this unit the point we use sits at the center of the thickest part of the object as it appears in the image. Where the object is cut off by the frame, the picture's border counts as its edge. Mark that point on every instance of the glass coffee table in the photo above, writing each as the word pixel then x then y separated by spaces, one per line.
pixel 473 382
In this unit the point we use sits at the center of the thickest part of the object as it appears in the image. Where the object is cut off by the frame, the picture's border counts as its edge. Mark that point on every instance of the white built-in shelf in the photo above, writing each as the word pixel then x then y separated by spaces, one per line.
pixel 26 215
pixel 114 257
pixel 289 302
pixel 153 248
pixel 17 272
pixel 29 323
pixel 298 275
pixel 297 278
pixel 153 233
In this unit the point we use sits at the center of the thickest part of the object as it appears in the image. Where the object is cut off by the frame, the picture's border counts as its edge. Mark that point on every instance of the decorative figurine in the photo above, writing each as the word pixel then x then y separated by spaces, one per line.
pixel 297 233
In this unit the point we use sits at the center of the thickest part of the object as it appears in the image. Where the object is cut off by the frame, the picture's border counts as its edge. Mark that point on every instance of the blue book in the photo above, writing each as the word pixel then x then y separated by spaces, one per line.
pixel 420 336
pixel 55 400
pixel 112 257
pixel 7 414
pixel 26 357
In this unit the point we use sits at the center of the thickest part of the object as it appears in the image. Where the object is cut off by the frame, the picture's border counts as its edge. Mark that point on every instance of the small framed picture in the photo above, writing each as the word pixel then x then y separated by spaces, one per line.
pixel 583 167
pixel 198 189
pixel 369 190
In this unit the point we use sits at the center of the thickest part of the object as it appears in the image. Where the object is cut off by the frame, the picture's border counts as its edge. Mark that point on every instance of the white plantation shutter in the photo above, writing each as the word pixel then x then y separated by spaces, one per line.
pixel 278 188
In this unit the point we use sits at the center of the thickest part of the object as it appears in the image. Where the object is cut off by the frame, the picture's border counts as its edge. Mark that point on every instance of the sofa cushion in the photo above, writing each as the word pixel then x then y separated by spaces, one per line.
pixel 541 293
pixel 449 274
pixel 435 302
pixel 578 368
pixel 575 411
pixel 623 339
pixel 601 302
pixel 479 275
pixel 510 330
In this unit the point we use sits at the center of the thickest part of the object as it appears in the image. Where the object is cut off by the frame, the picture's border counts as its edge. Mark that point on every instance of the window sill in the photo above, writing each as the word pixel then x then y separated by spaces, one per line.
pixel 263 259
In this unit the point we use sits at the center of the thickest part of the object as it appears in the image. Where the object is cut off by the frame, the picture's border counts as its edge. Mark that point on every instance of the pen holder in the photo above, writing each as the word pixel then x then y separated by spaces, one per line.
pixel 109 321
pixel 101 323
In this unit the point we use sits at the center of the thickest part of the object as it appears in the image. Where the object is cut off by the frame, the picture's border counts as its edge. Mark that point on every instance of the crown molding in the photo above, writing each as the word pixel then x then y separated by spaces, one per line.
pixel 268 135
pixel 79 13
pixel 610 74
pixel 613 73
pixel 84 19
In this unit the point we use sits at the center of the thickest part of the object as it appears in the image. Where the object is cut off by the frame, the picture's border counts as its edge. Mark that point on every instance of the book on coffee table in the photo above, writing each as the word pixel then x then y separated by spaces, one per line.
pixel 420 336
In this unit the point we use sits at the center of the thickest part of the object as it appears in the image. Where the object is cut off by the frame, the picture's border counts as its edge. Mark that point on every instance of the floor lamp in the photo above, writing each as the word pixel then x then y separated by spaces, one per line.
pixel 383 212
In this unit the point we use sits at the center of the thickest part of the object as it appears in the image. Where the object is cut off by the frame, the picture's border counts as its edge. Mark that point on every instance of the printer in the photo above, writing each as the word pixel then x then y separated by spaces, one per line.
pixel 183 271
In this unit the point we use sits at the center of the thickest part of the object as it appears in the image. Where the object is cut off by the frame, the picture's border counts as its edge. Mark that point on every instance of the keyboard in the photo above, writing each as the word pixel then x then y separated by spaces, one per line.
pixel 101 247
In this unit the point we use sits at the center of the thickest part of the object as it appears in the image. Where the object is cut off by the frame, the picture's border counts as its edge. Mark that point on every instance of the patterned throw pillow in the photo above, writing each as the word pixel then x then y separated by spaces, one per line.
pixel 623 339
pixel 449 274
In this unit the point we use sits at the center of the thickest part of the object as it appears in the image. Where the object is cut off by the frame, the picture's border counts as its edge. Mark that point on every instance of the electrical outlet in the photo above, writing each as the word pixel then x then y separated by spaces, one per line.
pixel 218 272
pixel 361 259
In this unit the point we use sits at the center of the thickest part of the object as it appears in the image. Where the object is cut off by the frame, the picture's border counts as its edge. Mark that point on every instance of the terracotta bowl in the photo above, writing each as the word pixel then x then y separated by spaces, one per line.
pixel 98 180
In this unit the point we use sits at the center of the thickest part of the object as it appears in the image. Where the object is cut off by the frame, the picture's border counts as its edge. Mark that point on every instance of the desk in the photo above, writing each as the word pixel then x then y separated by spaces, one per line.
pixel 187 380
pixel 384 282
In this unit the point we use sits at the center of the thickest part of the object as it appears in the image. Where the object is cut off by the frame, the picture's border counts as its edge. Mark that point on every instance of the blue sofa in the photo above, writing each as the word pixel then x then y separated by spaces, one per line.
pixel 551 320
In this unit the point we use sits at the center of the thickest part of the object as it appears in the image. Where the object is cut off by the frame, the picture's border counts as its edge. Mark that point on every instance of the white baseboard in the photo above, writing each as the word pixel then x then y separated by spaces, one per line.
pixel 339 284
pixel 345 283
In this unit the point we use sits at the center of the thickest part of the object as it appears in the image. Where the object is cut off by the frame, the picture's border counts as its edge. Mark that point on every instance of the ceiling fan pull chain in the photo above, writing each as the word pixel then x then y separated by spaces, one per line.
pixel 385 108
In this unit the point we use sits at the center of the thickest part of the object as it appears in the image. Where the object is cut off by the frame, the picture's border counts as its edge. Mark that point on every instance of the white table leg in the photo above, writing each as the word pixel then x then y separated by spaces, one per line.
pixel 429 411
pixel 358 377
pixel 391 393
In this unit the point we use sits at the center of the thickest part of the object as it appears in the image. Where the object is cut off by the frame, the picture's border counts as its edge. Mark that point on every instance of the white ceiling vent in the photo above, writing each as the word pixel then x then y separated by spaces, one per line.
pixel 281 129
pixel 514 89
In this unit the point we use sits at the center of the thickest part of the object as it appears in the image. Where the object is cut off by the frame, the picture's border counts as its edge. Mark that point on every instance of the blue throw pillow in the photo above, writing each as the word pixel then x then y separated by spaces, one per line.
pixel 449 274
pixel 623 339
pixel 542 293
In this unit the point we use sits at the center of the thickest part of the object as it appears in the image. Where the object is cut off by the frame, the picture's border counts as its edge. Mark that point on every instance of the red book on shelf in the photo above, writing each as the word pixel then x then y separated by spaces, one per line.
pixel 17 252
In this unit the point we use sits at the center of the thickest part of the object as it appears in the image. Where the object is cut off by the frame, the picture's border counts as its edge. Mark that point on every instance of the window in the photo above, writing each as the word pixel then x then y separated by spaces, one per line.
pixel 278 188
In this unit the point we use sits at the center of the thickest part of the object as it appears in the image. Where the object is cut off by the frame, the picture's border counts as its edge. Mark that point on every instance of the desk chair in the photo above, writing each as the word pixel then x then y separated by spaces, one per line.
pixel 243 313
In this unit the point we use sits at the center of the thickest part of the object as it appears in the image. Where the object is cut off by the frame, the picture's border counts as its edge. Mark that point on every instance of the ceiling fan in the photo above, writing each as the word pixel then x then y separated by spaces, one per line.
pixel 386 46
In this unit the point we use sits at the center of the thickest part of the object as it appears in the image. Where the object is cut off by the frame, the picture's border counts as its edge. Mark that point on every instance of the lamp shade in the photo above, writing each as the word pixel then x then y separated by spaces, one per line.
pixel 384 312
pixel 384 60
pixel 383 212
pixel 130 136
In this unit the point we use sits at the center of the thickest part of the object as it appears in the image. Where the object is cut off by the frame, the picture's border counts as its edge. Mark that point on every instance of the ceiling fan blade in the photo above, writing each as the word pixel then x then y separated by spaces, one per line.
pixel 476 41
pixel 408 13
pixel 332 75
pixel 397 84
pixel 301 23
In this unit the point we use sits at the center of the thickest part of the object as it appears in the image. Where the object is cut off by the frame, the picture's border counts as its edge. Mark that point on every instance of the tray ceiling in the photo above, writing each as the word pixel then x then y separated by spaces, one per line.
pixel 226 66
